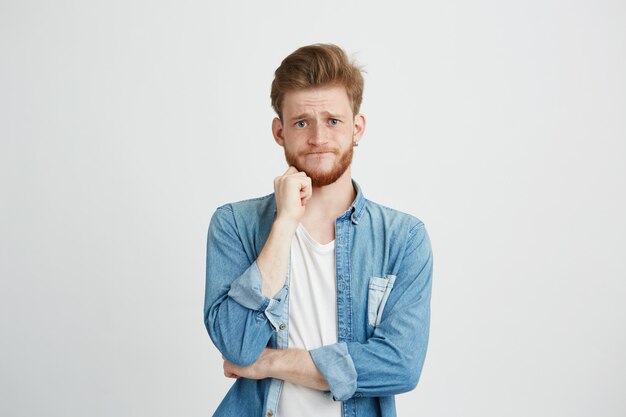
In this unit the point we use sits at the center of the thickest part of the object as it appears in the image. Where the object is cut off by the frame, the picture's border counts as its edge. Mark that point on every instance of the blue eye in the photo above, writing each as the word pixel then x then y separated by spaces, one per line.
pixel 334 122
pixel 301 124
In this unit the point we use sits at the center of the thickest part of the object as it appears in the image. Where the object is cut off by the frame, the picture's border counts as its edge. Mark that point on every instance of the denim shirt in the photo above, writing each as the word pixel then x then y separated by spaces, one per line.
pixel 383 272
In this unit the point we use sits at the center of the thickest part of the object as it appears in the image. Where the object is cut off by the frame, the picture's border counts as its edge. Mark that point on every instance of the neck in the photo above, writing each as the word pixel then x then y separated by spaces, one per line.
pixel 330 201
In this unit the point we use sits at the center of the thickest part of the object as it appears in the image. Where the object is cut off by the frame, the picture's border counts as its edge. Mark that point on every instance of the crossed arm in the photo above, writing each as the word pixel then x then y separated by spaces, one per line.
pixel 292 365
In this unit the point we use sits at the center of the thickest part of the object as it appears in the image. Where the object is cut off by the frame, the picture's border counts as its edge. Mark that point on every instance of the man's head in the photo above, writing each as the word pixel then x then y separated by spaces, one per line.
pixel 317 94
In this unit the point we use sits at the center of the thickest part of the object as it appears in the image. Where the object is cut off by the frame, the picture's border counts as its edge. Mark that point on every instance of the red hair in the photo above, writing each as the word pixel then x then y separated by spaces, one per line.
pixel 317 65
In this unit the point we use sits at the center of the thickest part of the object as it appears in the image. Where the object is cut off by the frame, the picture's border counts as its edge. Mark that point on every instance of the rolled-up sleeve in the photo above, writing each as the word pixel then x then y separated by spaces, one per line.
pixel 335 363
pixel 247 291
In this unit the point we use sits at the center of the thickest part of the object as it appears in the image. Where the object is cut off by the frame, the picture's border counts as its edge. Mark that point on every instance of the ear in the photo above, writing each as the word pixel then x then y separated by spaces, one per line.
pixel 359 127
pixel 277 131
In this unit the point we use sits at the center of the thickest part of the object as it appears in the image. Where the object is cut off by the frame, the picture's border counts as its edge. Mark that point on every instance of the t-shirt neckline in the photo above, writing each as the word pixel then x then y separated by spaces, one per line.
pixel 312 243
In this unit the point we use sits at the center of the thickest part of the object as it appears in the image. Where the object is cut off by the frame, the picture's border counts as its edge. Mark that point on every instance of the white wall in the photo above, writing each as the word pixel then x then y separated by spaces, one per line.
pixel 124 124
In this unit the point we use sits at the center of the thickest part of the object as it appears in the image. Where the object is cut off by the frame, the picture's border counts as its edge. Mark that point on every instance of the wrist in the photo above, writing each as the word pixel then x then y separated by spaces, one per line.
pixel 271 362
pixel 285 224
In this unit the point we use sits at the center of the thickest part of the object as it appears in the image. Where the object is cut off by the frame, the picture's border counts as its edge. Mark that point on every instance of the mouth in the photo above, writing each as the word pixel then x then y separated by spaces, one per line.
pixel 324 152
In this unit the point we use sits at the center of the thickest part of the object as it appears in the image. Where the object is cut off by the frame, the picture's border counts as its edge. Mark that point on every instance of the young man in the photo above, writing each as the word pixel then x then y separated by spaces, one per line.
pixel 318 299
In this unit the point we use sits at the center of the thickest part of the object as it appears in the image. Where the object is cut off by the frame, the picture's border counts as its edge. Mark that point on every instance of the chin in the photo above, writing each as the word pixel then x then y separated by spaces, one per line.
pixel 318 170
pixel 321 178
pixel 323 172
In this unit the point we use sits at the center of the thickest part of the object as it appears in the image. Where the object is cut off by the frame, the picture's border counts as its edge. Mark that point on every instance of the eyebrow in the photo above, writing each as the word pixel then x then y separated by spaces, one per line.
pixel 308 115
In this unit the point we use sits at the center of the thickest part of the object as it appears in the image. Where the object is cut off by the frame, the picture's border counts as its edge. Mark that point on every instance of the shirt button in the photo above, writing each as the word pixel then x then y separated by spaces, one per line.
pixel 270 414
pixel 281 327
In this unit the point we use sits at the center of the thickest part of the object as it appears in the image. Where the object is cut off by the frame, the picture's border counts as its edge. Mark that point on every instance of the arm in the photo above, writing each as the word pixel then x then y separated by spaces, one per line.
pixel 292 191
pixel 244 299
pixel 239 318
pixel 391 360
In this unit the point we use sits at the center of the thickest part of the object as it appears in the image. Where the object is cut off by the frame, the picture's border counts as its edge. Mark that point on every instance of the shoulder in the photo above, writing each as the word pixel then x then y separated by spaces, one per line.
pixel 250 214
pixel 391 218
pixel 405 234
pixel 249 206
pixel 401 230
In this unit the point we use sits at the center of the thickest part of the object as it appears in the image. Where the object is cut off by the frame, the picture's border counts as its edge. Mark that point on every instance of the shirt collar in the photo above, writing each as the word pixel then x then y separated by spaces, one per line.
pixel 356 210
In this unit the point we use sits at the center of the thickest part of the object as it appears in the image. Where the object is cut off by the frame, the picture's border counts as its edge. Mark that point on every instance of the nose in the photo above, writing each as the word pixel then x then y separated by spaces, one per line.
pixel 317 135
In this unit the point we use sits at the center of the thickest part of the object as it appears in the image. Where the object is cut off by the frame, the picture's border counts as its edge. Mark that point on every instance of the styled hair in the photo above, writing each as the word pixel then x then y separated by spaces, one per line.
pixel 313 66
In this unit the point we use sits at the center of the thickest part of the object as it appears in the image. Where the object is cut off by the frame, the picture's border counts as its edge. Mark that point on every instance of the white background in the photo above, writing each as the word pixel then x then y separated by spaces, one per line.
pixel 124 124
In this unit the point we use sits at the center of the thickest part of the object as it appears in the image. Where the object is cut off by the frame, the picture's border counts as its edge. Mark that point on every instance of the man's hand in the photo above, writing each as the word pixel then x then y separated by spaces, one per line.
pixel 292 190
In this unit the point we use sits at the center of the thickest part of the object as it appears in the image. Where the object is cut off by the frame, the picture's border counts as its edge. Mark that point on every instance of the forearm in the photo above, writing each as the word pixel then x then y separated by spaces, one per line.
pixel 292 365
pixel 296 366
pixel 273 260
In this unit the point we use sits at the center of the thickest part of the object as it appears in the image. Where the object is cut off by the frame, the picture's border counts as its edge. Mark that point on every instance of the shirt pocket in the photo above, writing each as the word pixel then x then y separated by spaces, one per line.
pixel 377 295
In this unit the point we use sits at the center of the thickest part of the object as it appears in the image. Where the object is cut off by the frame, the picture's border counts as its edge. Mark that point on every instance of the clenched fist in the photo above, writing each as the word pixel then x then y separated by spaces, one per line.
pixel 292 190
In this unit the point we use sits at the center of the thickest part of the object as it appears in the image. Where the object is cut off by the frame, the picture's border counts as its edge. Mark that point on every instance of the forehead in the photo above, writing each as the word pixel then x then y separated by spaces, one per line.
pixel 330 98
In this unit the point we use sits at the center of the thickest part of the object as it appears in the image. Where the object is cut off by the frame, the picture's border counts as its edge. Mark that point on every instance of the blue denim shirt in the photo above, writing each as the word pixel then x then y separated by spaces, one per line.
pixel 383 273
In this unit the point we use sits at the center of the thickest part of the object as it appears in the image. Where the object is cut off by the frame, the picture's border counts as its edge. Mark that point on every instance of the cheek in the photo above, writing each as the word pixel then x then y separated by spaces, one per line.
pixel 290 147
pixel 293 140
pixel 346 131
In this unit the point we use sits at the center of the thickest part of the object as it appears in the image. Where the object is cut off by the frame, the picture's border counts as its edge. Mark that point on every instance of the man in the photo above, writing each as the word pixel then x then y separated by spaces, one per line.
pixel 318 299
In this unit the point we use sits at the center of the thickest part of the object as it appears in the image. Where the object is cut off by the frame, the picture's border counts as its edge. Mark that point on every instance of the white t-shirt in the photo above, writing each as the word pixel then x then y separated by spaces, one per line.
pixel 312 320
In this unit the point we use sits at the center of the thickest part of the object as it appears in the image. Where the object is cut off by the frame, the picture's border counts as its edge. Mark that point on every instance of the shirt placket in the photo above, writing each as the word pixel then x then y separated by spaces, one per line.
pixel 343 245
pixel 282 342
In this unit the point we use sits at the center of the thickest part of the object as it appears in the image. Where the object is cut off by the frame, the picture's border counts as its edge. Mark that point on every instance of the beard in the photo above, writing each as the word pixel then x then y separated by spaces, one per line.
pixel 319 177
